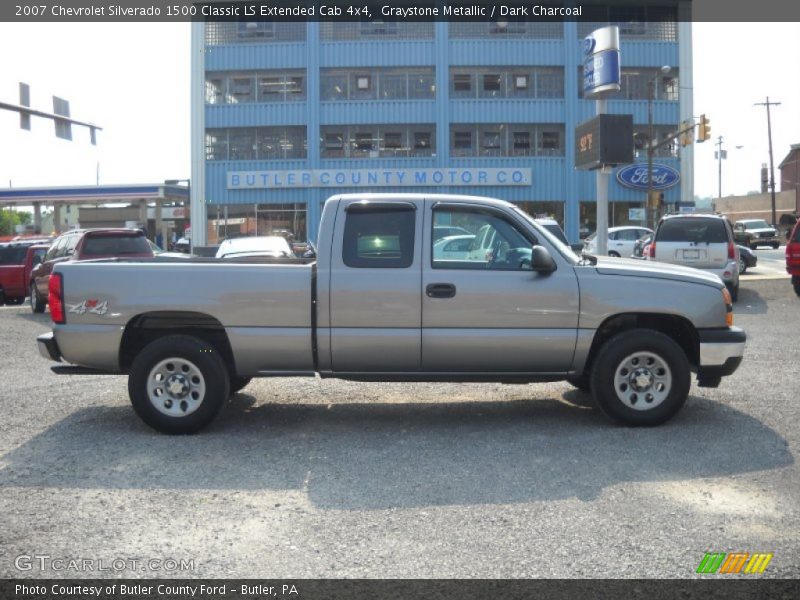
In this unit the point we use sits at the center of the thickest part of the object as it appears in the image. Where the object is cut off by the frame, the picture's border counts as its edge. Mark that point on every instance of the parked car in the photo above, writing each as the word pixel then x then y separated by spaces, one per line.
pixel 620 240
pixel 442 231
pixel 84 244
pixel 376 306
pixel 747 258
pixel 453 247
pixel 793 257
pixel 702 241
pixel 754 233
pixel 157 251
pixel 17 259
pixel 274 246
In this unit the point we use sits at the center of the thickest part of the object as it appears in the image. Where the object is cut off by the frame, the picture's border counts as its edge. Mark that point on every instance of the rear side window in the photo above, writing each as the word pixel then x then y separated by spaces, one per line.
pixel 12 255
pixel 796 236
pixel 379 238
pixel 115 245
pixel 694 230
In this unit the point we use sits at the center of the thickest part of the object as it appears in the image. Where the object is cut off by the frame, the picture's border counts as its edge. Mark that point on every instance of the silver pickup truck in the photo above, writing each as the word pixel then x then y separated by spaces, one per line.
pixel 379 304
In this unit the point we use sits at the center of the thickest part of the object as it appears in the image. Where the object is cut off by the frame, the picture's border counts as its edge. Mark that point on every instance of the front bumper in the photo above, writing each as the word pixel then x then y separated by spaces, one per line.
pixel 48 347
pixel 721 352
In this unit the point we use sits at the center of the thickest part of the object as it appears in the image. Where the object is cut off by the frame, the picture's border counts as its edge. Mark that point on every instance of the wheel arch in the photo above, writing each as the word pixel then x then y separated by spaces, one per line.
pixel 145 328
pixel 679 328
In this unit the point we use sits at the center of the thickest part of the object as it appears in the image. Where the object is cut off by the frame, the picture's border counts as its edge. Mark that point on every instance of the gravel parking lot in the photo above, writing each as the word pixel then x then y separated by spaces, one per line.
pixel 312 478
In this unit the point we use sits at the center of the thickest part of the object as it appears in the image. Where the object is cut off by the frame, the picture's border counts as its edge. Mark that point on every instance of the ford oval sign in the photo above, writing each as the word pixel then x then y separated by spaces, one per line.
pixel 635 177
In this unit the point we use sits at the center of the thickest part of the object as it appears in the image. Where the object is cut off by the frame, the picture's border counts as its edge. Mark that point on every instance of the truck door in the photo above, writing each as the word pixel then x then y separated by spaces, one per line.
pixel 488 312
pixel 375 296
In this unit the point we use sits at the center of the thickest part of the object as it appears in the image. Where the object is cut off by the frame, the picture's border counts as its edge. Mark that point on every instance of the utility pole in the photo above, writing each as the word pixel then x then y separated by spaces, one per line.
pixel 771 163
pixel 720 156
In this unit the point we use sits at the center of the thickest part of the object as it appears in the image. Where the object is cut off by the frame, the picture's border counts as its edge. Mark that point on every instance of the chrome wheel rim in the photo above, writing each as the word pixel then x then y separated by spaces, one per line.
pixel 176 387
pixel 642 381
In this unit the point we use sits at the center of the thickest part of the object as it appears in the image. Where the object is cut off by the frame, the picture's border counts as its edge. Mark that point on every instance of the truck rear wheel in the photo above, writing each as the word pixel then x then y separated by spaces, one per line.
pixel 641 377
pixel 177 384
pixel 37 304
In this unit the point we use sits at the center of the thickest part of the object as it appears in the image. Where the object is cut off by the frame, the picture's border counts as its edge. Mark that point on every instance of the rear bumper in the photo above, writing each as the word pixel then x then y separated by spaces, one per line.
pixel 48 347
pixel 721 352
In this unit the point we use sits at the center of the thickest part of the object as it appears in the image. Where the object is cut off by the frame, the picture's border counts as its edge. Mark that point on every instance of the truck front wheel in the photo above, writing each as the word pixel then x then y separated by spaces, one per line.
pixel 641 377
pixel 177 384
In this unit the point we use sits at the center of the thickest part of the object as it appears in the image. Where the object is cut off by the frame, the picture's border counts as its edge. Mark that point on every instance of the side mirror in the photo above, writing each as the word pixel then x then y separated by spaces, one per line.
pixel 541 261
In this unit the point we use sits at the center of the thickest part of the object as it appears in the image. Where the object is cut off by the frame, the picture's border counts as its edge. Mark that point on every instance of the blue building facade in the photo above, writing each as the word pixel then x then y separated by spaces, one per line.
pixel 287 115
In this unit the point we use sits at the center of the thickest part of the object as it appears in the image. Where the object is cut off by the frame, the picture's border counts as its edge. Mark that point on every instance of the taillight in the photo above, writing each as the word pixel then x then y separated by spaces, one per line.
pixel 55 298
pixel 731 250
pixel 651 250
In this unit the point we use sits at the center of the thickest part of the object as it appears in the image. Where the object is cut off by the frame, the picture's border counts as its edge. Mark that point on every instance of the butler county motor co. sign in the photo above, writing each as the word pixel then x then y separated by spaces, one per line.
pixel 324 178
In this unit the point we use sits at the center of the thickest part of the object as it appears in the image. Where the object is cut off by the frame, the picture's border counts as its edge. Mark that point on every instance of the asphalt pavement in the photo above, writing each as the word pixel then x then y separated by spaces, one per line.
pixel 313 478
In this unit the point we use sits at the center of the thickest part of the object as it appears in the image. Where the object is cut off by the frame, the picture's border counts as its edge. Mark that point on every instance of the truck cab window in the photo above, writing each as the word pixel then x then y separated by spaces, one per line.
pixel 379 239
pixel 491 242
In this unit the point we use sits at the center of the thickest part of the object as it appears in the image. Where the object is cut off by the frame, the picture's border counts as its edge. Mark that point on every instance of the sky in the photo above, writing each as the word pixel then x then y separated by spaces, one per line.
pixel 133 80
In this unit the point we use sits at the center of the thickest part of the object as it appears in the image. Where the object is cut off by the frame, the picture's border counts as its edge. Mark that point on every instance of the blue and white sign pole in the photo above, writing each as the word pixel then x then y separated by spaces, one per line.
pixel 601 74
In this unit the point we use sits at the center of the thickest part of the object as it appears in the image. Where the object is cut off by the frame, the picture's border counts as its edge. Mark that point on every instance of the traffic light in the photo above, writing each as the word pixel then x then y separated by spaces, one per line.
pixel 703 129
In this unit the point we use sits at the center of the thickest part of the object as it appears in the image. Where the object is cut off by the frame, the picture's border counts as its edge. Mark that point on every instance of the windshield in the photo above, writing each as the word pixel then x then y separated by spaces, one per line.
pixel 756 224
pixel 565 250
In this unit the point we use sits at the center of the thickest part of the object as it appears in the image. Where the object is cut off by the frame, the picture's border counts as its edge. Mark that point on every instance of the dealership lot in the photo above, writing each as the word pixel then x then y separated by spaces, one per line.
pixel 312 478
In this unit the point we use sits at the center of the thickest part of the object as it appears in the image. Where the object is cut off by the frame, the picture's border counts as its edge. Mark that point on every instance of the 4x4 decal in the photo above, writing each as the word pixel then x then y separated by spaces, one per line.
pixel 92 306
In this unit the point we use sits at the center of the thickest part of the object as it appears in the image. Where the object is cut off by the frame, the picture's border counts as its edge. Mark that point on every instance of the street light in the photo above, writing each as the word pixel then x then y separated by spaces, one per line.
pixel 721 155
pixel 651 84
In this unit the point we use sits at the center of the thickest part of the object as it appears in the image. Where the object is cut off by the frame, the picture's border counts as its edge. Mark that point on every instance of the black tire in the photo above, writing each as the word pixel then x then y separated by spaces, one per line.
pixel 775 246
pixel 583 382
pixel 613 378
pixel 37 304
pixel 753 246
pixel 613 253
pixel 742 266
pixel 196 371
pixel 796 287
pixel 16 301
pixel 239 383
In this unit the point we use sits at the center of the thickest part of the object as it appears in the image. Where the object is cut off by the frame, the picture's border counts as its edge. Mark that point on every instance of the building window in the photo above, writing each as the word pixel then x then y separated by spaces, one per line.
pixel 215 90
pixel 378 27
pixel 507 29
pixel 372 141
pixel 492 85
pixel 507 82
pixel 256 143
pixel 462 85
pixel 635 82
pixel 377 84
pixel 462 143
pixel 256 29
pixel 281 88
pixel 522 143
pixel 399 30
pixel 491 143
pixel 508 140
pixel 240 90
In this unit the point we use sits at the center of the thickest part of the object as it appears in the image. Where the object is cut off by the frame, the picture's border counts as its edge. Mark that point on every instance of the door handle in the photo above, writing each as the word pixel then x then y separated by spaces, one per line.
pixel 440 290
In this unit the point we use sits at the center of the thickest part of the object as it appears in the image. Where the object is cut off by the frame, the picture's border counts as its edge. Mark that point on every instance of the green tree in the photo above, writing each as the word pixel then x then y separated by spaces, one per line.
pixel 9 219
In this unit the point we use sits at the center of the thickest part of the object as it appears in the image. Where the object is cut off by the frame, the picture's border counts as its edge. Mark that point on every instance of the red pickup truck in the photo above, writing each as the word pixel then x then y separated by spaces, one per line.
pixel 84 244
pixel 793 257
pixel 17 260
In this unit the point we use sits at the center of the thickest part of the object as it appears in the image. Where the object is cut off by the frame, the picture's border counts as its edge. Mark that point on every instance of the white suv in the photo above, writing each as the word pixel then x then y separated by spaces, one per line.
pixel 702 241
